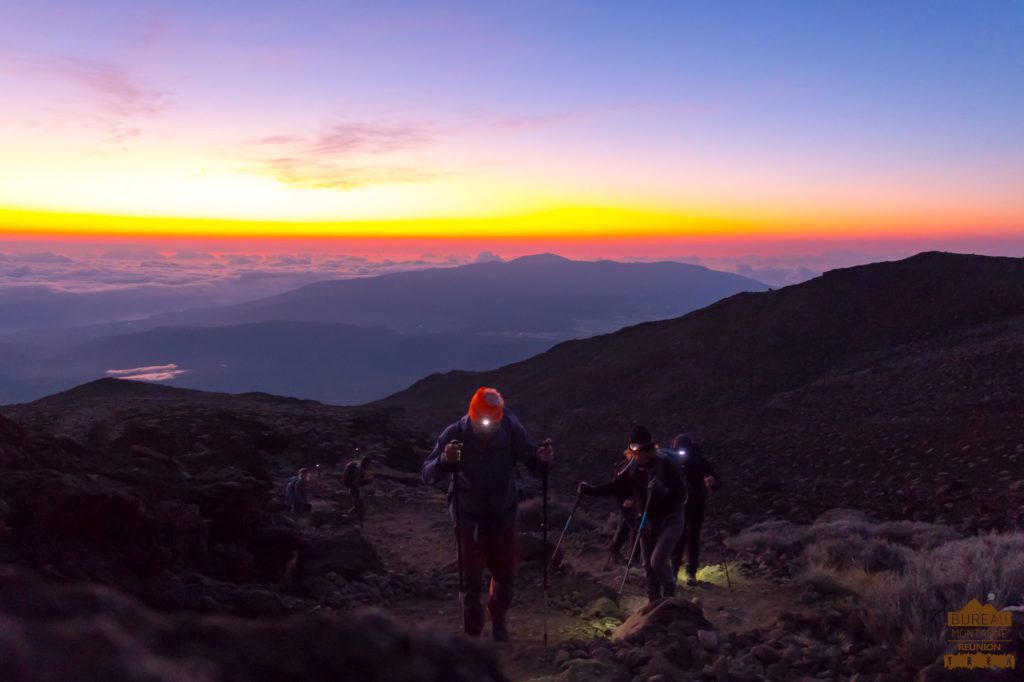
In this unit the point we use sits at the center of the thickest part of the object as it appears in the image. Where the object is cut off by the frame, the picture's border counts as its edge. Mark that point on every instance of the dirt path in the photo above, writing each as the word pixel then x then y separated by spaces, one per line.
pixel 408 525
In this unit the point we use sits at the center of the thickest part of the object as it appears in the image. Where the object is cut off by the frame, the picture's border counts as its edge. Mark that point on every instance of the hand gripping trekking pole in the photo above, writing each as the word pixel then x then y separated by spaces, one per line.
pixel 554 552
pixel 636 543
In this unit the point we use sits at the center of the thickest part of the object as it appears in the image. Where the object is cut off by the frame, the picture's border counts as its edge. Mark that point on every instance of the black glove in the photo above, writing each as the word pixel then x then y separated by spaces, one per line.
pixel 585 489
pixel 655 488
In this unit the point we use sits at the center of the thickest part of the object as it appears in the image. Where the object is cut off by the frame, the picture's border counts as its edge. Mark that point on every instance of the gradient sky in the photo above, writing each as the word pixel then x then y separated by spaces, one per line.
pixel 657 125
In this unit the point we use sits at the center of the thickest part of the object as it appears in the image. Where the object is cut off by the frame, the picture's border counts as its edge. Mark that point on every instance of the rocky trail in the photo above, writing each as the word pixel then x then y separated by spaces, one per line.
pixel 757 628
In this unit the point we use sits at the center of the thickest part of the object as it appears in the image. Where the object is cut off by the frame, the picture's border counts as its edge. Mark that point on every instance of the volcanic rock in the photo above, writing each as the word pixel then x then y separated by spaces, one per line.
pixel 657 620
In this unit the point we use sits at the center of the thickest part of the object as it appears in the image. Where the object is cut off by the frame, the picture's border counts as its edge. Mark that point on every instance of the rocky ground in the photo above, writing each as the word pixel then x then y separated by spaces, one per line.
pixel 144 535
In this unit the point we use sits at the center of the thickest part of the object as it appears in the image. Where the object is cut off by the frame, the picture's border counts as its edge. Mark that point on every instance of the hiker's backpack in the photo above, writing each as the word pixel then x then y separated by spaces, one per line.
pixel 348 479
pixel 680 461
pixel 289 490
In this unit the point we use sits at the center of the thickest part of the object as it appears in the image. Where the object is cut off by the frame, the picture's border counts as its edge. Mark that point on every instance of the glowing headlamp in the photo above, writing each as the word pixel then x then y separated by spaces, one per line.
pixel 485 421
pixel 682 452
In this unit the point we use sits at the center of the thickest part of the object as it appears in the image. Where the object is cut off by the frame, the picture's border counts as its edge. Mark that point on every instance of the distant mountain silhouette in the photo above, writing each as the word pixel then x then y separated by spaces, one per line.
pixel 917 358
pixel 539 295
pixel 351 341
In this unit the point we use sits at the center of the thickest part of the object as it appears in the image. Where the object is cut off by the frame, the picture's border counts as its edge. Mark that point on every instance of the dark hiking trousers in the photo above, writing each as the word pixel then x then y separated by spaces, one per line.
pixel 625 529
pixel 658 545
pixel 689 543
pixel 357 502
pixel 497 549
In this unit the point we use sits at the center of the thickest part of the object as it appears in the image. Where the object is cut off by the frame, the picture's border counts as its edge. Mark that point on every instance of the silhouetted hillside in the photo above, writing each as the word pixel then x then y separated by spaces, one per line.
pixel 351 341
pixel 544 294
pixel 891 372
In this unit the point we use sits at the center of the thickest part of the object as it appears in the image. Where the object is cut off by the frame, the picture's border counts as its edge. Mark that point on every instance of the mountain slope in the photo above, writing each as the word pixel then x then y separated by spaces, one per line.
pixel 866 359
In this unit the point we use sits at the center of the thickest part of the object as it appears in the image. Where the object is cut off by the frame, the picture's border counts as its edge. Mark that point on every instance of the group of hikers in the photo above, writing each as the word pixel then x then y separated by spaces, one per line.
pixel 661 495
pixel 296 490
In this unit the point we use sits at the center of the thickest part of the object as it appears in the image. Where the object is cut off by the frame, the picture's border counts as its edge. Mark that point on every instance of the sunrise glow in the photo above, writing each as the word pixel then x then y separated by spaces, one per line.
pixel 659 127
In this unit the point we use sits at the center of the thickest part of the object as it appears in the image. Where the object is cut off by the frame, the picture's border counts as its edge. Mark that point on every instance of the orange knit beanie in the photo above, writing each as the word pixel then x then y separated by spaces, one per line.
pixel 486 404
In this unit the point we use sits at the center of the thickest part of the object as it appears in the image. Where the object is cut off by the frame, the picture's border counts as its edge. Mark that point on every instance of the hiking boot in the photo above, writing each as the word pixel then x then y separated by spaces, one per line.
pixel 691 578
pixel 499 631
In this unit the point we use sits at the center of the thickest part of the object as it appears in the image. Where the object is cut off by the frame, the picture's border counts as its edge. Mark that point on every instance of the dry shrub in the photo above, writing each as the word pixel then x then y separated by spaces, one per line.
pixel 915 534
pixel 908 609
pixel 769 535
pixel 878 556
pixel 824 583
pixel 906 575
pixel 836 555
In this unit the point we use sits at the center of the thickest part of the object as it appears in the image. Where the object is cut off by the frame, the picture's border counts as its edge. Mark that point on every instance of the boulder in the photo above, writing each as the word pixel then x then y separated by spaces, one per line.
pixel 603 607
pixel 708 639
pixel 589 670
pixel 656 620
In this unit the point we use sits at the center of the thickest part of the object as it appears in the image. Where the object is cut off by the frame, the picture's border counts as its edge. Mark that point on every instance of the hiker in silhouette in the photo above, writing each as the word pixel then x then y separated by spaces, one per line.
pixel 655 483
pixel 480 452
pixel 354 478
pixel 295 493
pixel 701 477
pixel 628 516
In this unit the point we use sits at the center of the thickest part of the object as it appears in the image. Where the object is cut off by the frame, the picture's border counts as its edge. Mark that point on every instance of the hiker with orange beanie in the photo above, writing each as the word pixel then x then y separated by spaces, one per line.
pixel 480 452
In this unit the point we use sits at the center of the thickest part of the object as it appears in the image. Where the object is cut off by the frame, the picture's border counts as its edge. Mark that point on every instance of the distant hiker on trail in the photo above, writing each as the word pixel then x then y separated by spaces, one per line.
pixel 295 492
pixel 700 478
pixel 480 452
pixel 354 478
pixel 628 515
pixel 655 483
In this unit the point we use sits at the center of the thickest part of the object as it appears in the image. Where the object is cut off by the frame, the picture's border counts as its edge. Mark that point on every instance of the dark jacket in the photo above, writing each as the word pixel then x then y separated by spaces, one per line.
pixel 695 467
pixel 621 494
pixel 354 475
pixel 632 482
pixel 295 491
pixel 488 492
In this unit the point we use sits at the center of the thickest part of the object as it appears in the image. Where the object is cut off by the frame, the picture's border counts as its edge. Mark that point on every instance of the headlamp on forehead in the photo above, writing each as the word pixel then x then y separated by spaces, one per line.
pixel 485 421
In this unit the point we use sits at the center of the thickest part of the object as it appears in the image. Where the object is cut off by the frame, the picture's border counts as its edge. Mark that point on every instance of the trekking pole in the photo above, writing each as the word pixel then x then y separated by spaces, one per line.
pixel 554 552
pixel 544 527
pixel 458 531
pixel 725 561
pixel 636 543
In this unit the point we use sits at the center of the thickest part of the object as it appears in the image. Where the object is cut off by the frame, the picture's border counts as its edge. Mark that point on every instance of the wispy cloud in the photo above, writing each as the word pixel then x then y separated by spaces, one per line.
pixel 113 88
pixel 313 174
pixel 346 155
pixel 120 101
pixel 365 138
pixel 538 121
pixel 153 373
